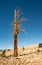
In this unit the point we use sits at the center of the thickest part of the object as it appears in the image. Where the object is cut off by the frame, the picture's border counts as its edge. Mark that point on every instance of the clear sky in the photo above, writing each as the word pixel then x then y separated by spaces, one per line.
pixel 32 9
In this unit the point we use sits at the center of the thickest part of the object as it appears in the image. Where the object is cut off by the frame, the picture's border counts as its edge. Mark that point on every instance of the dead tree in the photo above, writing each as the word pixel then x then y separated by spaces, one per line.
pixel 17 22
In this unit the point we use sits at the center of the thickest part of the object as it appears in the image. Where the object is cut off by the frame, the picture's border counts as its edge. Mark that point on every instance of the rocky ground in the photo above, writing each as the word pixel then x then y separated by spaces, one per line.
pixel 29 56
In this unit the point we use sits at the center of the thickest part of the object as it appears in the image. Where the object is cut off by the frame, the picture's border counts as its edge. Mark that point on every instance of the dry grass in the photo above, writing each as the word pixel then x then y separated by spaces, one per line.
pixel 28 56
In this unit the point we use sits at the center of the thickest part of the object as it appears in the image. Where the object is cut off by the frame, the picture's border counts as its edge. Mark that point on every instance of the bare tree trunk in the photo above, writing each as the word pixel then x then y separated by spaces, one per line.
pixel 15 36
pixel 15 45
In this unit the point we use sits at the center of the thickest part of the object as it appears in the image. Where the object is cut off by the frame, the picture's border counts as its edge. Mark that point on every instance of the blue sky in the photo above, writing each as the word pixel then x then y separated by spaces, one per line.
pixel 32 9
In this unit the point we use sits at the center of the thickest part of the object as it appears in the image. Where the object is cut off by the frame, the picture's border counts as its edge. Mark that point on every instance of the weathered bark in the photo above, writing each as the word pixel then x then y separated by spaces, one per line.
pixel 15 35
pixel 15 46
pixel 15 39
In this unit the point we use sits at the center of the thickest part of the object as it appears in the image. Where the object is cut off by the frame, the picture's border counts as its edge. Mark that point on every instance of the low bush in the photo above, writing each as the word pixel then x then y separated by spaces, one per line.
pixel 40 45
pixel 3 53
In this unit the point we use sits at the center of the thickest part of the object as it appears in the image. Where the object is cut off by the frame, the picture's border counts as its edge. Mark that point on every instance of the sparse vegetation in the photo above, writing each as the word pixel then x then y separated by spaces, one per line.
pixel 31 56
pixel 38 50
pixel 40 45
pixel 23 48
pixel 3 53
pixel 8 49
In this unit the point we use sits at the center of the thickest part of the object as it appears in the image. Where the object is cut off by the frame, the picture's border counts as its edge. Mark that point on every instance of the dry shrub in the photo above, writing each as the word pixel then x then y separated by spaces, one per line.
pixel 3 53
pixel 23 48
pixel 38 50
pixel 40 45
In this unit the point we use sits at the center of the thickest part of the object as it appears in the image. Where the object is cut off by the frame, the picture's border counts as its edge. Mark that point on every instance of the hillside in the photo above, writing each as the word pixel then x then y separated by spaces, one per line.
pixel 31 55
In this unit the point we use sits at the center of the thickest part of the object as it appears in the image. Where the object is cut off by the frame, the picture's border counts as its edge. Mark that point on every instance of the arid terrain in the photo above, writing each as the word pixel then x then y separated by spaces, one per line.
pixel 31 55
